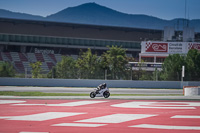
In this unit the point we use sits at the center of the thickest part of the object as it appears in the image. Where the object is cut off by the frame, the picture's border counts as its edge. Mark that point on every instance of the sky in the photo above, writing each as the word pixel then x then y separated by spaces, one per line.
pixel 164 9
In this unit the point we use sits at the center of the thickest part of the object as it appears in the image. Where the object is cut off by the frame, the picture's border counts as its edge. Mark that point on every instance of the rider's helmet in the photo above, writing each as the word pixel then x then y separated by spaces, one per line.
pixel 104 85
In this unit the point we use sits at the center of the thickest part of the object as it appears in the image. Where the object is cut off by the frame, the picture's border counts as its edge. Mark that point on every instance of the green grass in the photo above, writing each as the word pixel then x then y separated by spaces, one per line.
pixel 146 94
pixel 36 93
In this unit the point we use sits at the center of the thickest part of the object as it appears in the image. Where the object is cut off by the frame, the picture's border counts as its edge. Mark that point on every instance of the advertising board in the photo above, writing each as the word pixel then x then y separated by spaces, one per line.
pixel 176 47
pixel 156 47
pixel 168 47
pixel 194 46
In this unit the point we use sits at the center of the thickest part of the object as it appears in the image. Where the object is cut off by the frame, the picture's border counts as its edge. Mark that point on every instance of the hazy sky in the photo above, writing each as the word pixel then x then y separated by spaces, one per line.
pixel 165 9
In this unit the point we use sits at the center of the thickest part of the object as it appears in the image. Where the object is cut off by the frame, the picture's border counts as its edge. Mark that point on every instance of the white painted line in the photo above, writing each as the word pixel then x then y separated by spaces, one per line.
pixel 33 132
pixel 29 104
pixel 43 116
pixel 117 118
pixel 152 105
pixel 79 125
pixel 4 117
pixel 186 116
pixel 167 127
pixel 184 104
pixel 11 101
pixel 78 103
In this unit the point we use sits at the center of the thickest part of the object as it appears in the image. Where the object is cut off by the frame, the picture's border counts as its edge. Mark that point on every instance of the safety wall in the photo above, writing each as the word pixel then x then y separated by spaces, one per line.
pixel 94 83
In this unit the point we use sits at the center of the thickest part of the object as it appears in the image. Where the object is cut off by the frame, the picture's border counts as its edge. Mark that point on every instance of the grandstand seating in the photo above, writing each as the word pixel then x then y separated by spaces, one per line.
pixel 19 65
pixel 58 57
pixel 22 57
pixel 31 57
pixel 14 56
pixel 52 56
pixel 39 57
pixel 50 65
pixel 27 66
pixel 21 61
pixel 7 56
pixel 44 67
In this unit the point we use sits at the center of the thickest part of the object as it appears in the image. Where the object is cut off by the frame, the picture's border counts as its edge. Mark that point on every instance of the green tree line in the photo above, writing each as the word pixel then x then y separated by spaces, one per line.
pixel 172 67
pixel 6 70
pixel 112 64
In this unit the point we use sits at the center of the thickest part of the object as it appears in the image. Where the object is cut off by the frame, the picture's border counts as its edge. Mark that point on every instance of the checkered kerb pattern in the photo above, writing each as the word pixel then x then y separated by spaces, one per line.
pixel 190 45
pixel 148 44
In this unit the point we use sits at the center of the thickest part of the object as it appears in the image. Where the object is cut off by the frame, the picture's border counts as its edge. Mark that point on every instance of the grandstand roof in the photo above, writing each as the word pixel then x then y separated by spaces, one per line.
pixel 60 29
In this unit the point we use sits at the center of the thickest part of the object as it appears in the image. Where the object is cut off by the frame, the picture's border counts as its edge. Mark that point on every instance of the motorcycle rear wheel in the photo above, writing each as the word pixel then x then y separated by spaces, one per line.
pixel 92 94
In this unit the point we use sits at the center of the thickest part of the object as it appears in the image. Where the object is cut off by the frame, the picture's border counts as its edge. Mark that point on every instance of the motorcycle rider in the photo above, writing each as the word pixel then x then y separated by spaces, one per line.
pixel 100 87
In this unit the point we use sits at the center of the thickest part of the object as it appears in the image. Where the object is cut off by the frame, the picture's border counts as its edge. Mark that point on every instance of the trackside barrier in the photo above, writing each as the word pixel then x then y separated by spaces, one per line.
pixel 94 83
pixel 186 87
pixel 191 90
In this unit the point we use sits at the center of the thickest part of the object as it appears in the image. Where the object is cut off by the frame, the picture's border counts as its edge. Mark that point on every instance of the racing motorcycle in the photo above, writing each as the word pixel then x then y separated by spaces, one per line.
pixel 100 93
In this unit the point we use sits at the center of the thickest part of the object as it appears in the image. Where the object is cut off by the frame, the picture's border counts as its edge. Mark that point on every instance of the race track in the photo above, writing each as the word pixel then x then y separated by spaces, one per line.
pixel 103 115
pixel 88 90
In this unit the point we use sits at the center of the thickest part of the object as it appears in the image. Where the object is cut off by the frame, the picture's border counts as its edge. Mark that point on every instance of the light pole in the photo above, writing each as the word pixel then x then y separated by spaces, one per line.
pixel 183 73
pixel 105 74
pixel 156 74
pixel 131 73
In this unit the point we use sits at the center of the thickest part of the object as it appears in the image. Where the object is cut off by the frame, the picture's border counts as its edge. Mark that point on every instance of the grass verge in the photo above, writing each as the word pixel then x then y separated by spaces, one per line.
pixel 37 93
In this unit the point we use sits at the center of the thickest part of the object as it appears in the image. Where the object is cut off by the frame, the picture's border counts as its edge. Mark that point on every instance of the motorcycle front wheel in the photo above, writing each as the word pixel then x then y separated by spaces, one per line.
pixel 106 94
pixel 92 94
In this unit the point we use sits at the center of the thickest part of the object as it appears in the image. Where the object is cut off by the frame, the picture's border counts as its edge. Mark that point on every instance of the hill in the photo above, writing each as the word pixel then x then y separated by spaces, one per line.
pixel 16 15
pixel 92 13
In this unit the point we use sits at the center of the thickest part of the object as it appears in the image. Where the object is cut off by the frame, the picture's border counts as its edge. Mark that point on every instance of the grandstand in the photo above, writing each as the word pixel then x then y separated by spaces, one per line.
pixel 25 41
pixel 21 61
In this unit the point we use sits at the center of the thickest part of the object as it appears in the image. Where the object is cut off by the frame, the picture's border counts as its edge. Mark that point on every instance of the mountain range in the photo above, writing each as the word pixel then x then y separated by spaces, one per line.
pixel 94 14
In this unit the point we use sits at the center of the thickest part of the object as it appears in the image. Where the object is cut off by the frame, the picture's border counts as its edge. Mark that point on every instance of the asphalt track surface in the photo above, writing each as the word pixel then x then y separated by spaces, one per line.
pixel 88 90
pixel 99 116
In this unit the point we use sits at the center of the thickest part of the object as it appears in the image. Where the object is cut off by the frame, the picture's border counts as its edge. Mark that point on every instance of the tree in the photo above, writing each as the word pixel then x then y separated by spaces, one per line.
pixel 192 68
pixel 88 65
pixel 115 60
pixel 172 67
pixel 36 69
pixel 6 70
pixel 66 68
pixel 52 73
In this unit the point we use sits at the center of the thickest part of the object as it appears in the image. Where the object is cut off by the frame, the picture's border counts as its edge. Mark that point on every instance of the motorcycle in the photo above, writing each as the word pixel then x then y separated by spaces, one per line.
pixel 100 93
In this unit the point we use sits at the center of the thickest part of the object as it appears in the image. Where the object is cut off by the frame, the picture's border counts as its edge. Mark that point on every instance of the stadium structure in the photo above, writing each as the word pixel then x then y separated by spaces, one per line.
pixel 153 53
pixel 26 41
pixel 157 51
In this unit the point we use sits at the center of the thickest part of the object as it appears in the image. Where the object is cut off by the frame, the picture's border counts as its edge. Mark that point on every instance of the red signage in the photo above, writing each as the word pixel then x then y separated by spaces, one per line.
pixel 194 46
pixel 156 47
